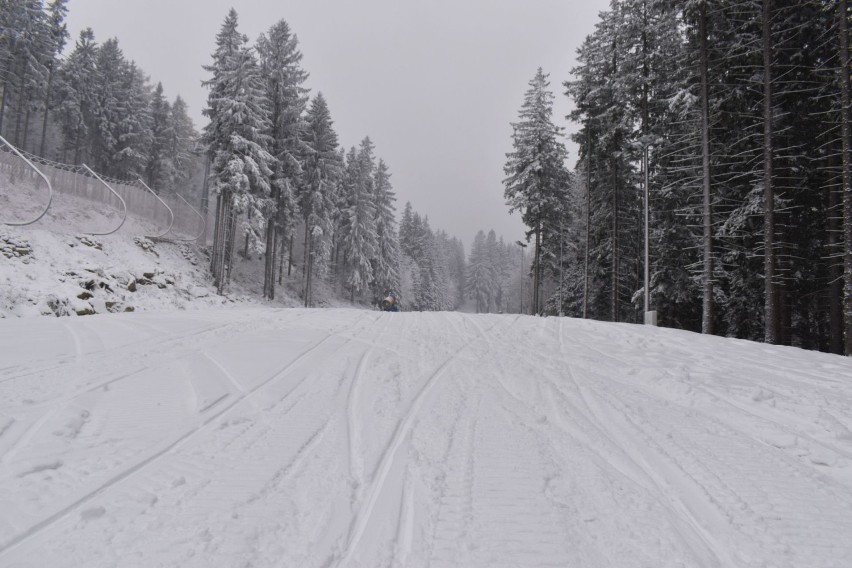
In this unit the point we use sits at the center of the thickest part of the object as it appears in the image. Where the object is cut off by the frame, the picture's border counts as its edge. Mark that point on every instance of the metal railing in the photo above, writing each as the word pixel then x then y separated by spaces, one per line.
pixel 37 171
pixel 128 197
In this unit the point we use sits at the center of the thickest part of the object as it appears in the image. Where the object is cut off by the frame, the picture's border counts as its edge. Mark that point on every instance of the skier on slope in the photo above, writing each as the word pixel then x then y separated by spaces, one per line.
pixel 389 304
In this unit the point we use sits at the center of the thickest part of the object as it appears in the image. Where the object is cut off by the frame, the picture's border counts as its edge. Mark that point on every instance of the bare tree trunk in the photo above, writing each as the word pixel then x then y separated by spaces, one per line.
pixel 26 128
pixel 3 105
pixel 269 271
pixel 588 221
pixel 281 260
pixel 218 239
pixel 232 241
pixel 46 110
pixel 537 270
pixel 771 293
pixel 217 228
pixel 835 289
pixel 20 103
pixel 847 175
pixel 205 196
pixel 77 143
pixel 305 259
pixel 615 267
pixel 290 263
pixel 271 241
pixel 309 283
pixel 708 311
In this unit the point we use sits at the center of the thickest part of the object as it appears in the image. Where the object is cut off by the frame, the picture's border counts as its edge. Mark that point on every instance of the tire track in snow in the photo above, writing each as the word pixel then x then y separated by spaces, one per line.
pixel 401 433
pixel 149 343
pixel 725 486
pixel 455 501
pixel 55 407
pixel 356 467
pixel 155 456
pixel 536 409
pixel 777 422
pixel 143 346
pixel 669 484
pixel 626 448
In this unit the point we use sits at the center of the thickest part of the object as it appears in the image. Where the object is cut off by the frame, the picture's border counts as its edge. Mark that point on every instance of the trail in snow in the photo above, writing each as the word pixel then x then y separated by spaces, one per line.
pixel 343 438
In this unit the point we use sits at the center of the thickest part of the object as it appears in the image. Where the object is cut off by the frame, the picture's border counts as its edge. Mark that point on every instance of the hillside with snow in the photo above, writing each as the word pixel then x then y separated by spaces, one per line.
pixel 62 266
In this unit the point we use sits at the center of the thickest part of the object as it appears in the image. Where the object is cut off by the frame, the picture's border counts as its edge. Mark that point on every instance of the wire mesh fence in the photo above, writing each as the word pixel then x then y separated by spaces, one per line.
pixel 27 181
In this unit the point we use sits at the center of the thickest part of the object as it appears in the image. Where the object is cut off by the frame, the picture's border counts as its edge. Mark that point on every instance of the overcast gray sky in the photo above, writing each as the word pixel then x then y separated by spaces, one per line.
pixel 434 83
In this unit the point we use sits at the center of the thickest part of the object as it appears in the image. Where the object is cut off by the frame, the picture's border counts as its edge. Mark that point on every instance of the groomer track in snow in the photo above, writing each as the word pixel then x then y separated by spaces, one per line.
pixel 336 438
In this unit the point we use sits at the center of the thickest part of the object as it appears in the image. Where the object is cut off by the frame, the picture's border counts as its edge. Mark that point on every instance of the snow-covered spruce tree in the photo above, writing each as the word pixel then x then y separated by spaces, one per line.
pixel 535 169
pixel 778 136
pixel 479 273
pixel 443 272
pixel 183 138
pixel 359 229
pixel 133 130
pixel 415 240
pixel 456 269
pixel 280 61
pixel 772 176
pixel 56 40
pixel 25 51
pixel 602 107
pixel 408 267
pixel 238 140
pixel 492 255
pixel 386 263
pixel 433 271
pixel 111 69
pixel 77 89
pixel 427 295
pixel 322 171
pixel 158 170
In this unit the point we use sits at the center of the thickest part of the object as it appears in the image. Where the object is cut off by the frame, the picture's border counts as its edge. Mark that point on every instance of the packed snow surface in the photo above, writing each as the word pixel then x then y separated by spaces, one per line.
pixel 330 438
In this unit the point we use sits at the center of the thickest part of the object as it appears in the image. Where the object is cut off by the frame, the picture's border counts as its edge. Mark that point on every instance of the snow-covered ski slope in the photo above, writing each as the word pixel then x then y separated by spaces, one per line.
pixel 331 438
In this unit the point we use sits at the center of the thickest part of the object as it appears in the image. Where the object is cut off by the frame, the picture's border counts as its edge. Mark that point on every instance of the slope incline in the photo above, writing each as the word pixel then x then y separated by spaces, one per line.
pixel 344 438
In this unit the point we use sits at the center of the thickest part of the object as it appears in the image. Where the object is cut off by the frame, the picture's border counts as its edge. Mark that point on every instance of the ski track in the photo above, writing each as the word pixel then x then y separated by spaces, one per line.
pixel 158 454
pixel 388 455
pixel 509 442
pixel 143 346
pixel 716 508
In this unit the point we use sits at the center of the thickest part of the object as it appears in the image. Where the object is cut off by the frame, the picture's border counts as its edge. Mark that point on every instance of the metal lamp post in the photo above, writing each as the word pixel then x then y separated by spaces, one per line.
pixel 522 246
pixel 650 316
pixel 561 264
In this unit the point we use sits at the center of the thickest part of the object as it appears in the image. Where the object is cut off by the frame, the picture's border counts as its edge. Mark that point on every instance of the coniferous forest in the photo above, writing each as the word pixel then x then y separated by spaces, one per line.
pixel 731 115
pixel 275 175
pixel 737 114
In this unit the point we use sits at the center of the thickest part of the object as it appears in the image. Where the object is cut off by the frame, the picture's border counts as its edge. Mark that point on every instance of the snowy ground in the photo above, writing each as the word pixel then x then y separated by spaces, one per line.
pixel 56 266
pixel 302 438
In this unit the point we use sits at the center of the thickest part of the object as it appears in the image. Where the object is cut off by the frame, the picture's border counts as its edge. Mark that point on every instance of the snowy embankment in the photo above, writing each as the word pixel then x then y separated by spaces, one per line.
pixel 301 438
pixel 56 266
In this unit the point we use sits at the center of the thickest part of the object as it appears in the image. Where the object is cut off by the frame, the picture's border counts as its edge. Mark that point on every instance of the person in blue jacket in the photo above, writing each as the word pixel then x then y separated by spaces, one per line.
pixel 389 304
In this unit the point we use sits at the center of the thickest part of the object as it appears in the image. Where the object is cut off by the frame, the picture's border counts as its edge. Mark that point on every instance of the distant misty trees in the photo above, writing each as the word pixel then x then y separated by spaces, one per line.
pixel 432 266
pixel 90 105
